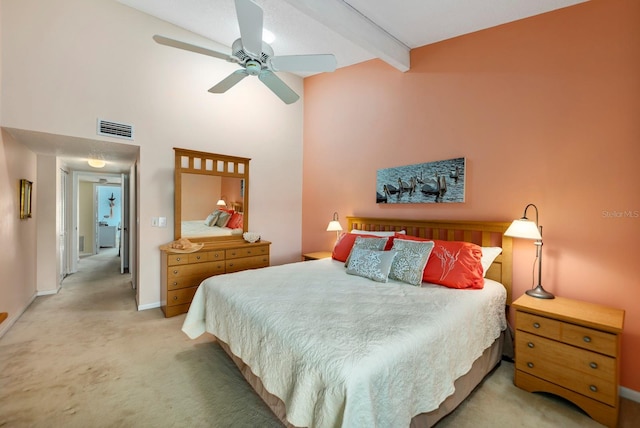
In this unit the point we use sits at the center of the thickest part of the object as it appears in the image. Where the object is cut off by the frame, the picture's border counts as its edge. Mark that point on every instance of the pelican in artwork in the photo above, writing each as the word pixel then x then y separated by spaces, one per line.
pixel 436 187
pixel 431 186
pixel 455 174
pixel 403 186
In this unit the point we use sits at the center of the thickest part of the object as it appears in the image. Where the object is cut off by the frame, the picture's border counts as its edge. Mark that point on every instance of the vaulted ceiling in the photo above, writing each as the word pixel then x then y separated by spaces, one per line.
pixel 352 30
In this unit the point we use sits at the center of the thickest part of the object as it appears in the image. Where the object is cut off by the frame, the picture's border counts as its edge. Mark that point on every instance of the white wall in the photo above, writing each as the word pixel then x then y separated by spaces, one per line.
pixel 48 252
pixel 68 62
pixel 18 263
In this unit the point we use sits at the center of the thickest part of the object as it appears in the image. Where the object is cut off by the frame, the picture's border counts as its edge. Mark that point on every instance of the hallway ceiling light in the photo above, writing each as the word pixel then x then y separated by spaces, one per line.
pixel 96 163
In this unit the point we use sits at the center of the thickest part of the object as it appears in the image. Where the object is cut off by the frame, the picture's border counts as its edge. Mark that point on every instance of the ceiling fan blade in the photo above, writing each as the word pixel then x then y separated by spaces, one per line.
pixel 278 87
pixel 188 47
pixel 250 22
pixel 229 81
pixel 313 63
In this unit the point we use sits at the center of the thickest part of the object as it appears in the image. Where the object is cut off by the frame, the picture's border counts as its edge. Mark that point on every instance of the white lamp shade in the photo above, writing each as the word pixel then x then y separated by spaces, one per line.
pixel 221 203
pixel 525 229
pixel 334 226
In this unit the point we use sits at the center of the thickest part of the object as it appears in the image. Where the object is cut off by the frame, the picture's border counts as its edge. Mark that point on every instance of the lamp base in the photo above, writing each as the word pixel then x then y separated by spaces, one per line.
pixel 539 293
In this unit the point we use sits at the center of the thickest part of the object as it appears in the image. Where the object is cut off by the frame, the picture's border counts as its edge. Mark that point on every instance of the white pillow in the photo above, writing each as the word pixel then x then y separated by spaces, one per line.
pixel 489 254
pixel 376 233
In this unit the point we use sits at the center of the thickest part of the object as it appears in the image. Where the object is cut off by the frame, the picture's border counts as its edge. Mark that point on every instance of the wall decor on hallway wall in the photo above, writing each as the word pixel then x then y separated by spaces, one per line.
pixel 423 183
pixel 25 198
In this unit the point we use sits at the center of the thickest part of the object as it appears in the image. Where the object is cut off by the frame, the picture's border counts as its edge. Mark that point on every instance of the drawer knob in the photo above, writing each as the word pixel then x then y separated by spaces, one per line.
pixel 530 345
pixel 197 257
pixel 178 259
pixel 536 325
pixel 175 297
pixel 231 264
pixel 530 365
pixel 593 388
pixel 175 272
pixel 249 252
pixel 216 256
pixel 593 365
pixel 175 282
pixel 587 339
pixel 233 254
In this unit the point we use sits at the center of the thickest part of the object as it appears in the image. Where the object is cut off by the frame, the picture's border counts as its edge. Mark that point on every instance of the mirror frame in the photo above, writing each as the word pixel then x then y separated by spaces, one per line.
pixel 198 163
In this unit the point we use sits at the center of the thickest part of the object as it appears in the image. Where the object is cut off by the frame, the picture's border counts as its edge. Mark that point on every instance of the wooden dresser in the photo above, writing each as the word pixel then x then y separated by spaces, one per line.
pixel 181 273
pixel 571 349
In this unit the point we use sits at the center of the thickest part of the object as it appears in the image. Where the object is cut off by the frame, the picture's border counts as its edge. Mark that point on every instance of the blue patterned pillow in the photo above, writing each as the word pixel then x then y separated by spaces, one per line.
pixel 376 244
pixel 411 260
pixel 212 218
pixel 371 264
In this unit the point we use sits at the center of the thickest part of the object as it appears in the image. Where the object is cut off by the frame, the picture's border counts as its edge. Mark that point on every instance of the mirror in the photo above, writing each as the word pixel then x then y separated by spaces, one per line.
pixel 211 196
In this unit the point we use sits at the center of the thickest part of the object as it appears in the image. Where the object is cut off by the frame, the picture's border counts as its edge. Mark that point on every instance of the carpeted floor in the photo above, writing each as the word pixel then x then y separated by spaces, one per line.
pixel 86 358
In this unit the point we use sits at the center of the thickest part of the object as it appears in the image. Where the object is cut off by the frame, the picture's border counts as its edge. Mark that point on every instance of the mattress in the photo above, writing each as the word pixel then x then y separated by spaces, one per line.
pixel 341 350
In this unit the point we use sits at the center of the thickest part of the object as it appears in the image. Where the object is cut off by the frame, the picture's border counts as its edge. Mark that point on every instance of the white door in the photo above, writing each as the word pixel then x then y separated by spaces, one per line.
pixel 96 221
pixel 62 225
pixel 124 223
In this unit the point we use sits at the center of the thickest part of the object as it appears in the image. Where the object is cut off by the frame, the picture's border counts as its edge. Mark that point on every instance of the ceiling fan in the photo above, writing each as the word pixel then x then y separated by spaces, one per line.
pixel 256 57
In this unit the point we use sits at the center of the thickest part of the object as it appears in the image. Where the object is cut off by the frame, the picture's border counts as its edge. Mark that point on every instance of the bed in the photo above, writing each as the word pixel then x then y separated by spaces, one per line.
pixel 325 348
pixel 198 228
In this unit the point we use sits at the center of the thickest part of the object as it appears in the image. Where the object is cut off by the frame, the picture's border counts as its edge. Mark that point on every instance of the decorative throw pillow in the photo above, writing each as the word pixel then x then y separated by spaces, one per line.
pixel 212 218
pixel 489 254
pixel 455 264
pixel 223 219
pixel 371 264
pixel 343 245
pixel 376 244
pixel 381 234
pixel 409 264
pixel 235 222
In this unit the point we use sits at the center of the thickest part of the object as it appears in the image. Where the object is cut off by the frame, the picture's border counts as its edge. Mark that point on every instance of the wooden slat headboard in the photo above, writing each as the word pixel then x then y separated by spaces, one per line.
pixel 483 233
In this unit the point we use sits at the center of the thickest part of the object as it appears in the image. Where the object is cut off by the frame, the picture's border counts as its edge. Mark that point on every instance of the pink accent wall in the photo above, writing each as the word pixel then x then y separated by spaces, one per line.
pixel 545 111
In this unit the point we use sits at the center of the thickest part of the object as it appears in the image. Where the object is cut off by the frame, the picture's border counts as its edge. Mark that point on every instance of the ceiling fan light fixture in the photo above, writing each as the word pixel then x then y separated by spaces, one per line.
pixel 267 36
pixel 255 56
pixel 96 163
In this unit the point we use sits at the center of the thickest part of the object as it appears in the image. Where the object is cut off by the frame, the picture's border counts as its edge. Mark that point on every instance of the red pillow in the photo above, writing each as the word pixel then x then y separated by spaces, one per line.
pixel 454 264
pixel 345 242
pixel 235 222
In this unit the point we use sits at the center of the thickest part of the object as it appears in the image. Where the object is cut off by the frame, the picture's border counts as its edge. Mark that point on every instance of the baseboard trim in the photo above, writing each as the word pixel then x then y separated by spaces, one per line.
pixel 48 292
pixel 11 320
pixel 149 306
pixel 630 394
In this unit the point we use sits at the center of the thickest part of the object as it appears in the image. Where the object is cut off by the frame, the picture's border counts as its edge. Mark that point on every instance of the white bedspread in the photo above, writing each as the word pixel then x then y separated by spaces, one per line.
pixel 340 350
pixel 194 228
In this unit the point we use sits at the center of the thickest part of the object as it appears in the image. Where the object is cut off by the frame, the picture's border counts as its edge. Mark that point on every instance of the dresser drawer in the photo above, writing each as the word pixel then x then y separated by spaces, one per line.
pixel 538 325
pixel 181 296
pixel 588 338
pixel 598 389
pixel 206 256
pixel 589 363
pixel 177 259
pixel 197 269
pixel 254 262
pixel 249 251
pixel 185 281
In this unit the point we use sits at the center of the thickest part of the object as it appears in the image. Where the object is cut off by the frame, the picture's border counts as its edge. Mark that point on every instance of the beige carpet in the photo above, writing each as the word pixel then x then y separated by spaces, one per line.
pixel 86 358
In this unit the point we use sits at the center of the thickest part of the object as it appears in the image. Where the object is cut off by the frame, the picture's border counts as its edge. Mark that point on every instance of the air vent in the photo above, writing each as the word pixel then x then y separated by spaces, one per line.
pixel 114 129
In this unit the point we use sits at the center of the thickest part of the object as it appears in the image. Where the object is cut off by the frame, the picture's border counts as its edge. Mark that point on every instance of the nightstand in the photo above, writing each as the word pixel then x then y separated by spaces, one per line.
pixel 316 256
pixel 571 349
